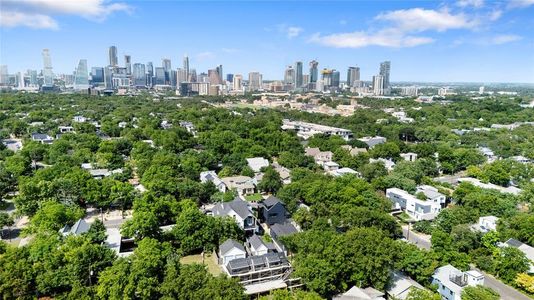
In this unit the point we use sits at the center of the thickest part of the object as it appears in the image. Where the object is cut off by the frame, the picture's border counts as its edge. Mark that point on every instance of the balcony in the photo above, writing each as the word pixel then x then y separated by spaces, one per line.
pixel 458 279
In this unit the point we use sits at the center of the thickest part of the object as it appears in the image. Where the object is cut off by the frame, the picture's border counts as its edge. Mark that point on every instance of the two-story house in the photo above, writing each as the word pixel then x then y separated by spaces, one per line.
pixel 240 211
pixel 272 210
pixel 451 281
pixel 415 208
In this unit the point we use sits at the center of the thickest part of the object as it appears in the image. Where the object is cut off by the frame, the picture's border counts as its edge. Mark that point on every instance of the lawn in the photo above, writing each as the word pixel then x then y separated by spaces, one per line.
pixel 254 197
pixel 210 261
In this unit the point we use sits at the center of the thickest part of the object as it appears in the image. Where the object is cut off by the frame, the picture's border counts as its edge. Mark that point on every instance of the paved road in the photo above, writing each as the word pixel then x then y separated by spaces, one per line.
pixel 414 238
pixel 505 291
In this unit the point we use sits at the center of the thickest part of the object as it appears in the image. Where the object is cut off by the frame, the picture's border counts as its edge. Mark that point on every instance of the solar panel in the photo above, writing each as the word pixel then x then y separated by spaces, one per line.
pixel 257 261
pixel 272 258
pixel 237 264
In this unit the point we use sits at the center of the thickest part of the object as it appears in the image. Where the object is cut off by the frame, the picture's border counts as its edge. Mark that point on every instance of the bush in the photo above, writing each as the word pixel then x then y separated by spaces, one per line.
pixel 424 226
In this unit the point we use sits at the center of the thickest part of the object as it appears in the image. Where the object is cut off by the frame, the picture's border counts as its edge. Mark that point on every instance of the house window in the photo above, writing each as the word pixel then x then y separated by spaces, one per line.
pixel 271 215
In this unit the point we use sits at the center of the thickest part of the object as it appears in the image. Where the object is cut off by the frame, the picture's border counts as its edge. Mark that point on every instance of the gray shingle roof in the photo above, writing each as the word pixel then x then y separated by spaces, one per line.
pixel 230 244
pixel 271 201
pixel 283 229
pixel 256 242
pixel 237 205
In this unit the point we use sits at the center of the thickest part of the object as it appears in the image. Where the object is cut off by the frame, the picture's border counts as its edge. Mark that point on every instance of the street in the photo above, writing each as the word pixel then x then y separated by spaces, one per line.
pixel 505 291
pixel 421 241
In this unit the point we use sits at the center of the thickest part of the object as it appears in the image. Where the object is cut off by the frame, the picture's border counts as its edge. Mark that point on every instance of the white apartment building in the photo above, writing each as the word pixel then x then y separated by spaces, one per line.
pixel 415 208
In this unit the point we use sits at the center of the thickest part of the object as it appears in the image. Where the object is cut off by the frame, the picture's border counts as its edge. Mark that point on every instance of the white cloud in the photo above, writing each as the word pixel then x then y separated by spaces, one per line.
pixel 206 55
pixel 504 39
pixel 360 39
pixel 230 50
pixel 40 13
pixel 419 19
pixel 473 3
pixel 16 19
pixel 520 3
pixel 289 31
pixel 495 15
pixel 293 31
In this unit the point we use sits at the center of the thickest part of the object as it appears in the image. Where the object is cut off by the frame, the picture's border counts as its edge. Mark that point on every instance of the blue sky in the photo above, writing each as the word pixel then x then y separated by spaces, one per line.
pixel 465 40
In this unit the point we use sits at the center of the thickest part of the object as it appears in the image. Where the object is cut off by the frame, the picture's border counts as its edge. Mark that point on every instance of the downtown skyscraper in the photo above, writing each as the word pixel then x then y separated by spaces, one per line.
pixel 139 75
pixel 128 64
pixel 81 79
pixel 314 71
pixel 298 74
pixel 113 60
pixel 186 68
pixel 353 76
pixel 48 75
pixel 385 68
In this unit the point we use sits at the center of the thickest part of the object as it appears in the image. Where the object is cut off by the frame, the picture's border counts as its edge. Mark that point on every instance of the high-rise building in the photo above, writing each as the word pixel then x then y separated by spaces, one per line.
pixel 48 75
pixel 186 68
pixel 97 75
pixel 230 77
pixel 139 75
pixel 159 76
pixel 4 75
pixel 203 78
pixel 149 74
pixel 108 77
pixel 220 72
pixel 289 76
pixel 305 79
pixel 385 68
pixel 81 77
pixel 255 81
pixel 166 64
pixel 181 75
pixel 214 76
pixel 314 72
pixel 173 78
pixel 353 76
pixel 128 64
pixel 298 74
pixel 193 75
pixel 378 85
pixel 335 78
pixel 326 77
pixel 33 78
pixel 238 82
pixel 113 60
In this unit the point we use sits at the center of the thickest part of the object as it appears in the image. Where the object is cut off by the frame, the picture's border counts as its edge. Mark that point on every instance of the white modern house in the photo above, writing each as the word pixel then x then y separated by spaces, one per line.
pixel 415 208
pixel 306 130
pixel 410 156
pixel 431 193
pixel 451 281
pixel 486 224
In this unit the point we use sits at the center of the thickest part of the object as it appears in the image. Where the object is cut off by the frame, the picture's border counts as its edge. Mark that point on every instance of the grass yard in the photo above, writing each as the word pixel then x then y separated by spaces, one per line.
pixel 254 197
pixel 210 261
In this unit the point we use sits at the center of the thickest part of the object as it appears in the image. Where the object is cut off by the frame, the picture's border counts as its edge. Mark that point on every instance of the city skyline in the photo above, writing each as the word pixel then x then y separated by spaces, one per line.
pixel 470 41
